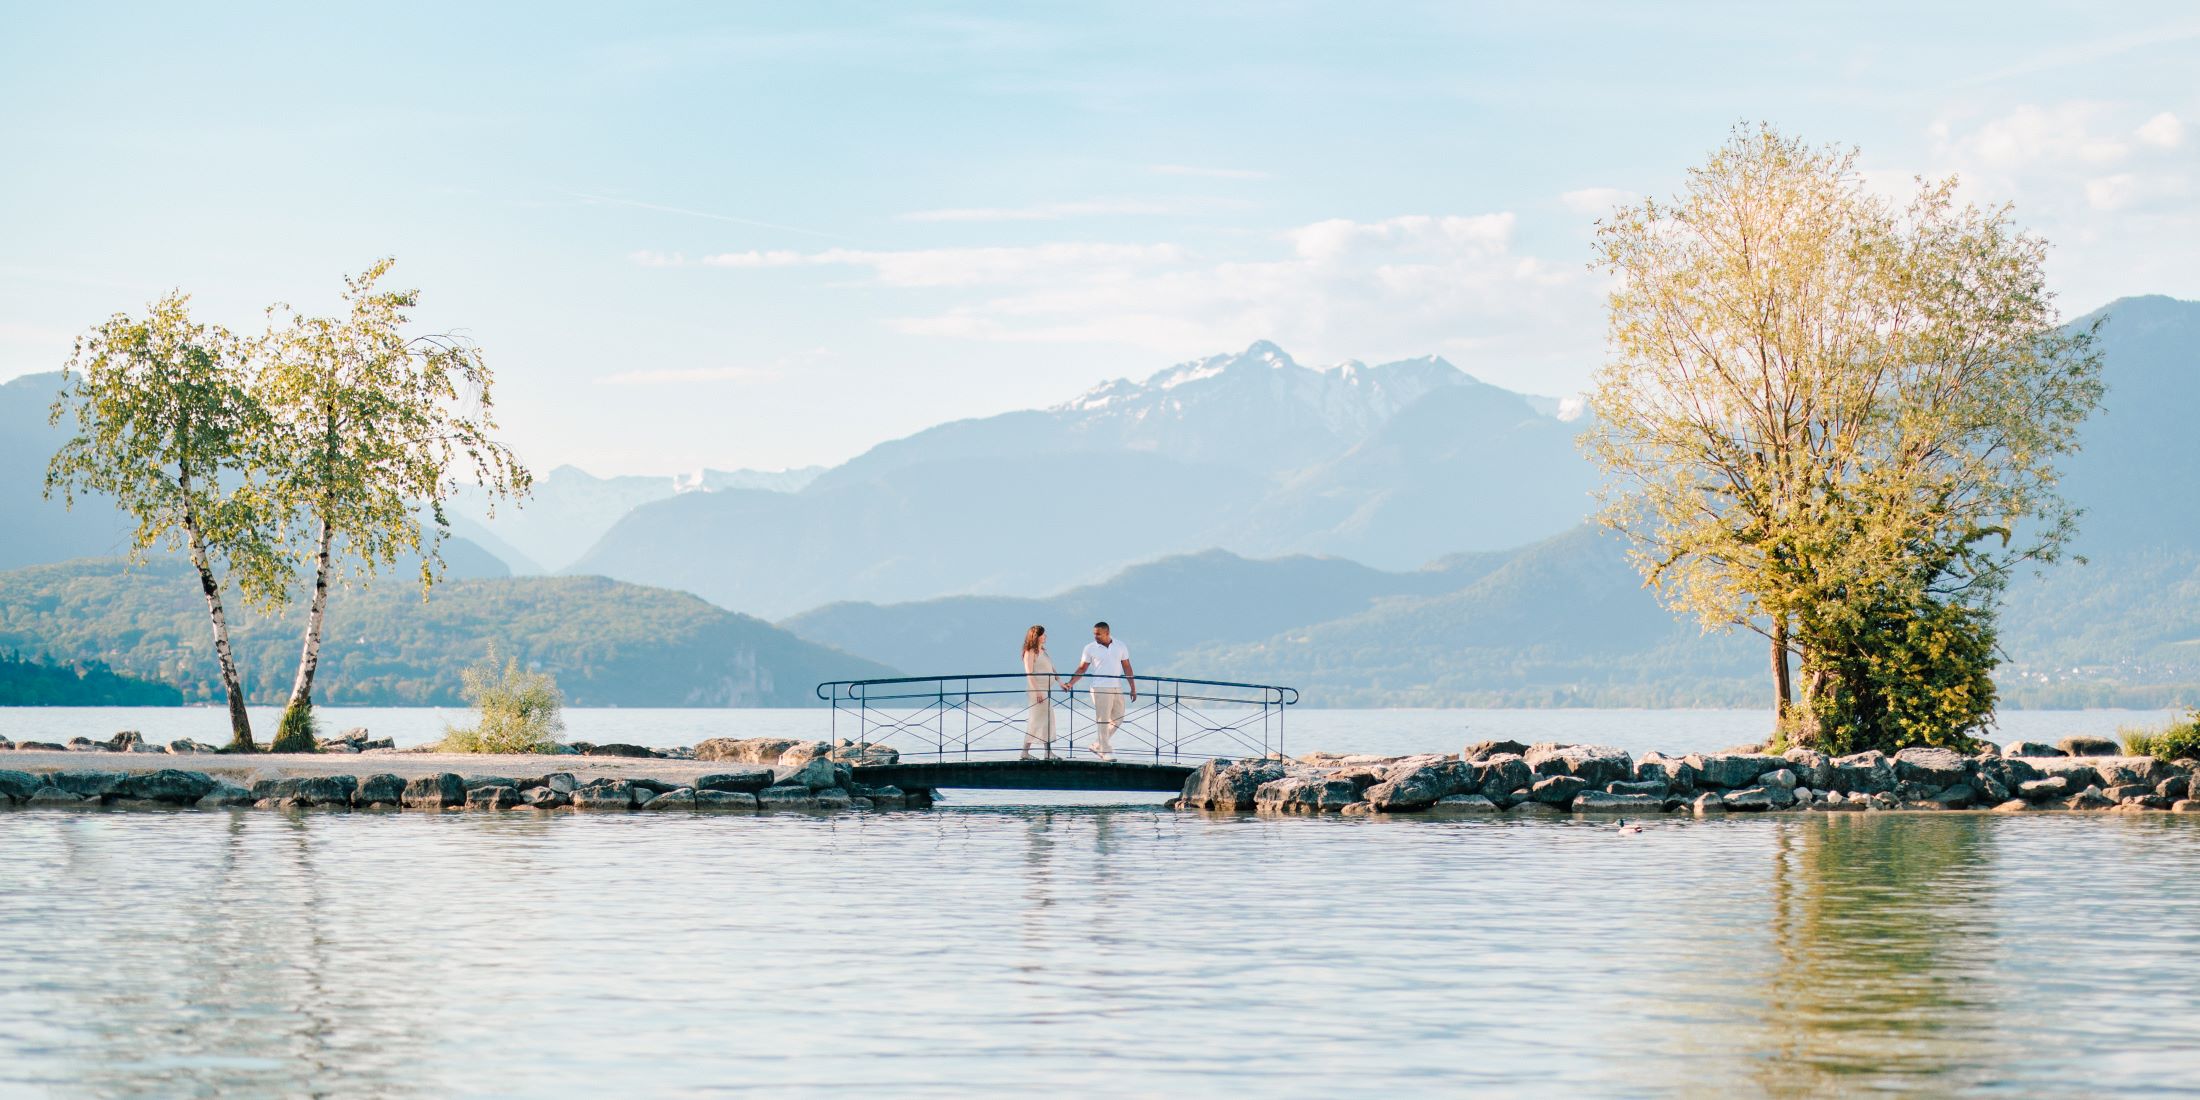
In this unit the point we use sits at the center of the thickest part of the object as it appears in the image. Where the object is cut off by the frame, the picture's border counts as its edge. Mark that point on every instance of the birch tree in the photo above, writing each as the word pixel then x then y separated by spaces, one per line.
pixel 166 424
pixel 379 428
pixel 1827 417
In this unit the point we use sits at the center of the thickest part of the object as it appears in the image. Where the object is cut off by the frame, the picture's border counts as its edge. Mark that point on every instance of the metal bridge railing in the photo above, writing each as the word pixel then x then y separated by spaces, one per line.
pixel 990 716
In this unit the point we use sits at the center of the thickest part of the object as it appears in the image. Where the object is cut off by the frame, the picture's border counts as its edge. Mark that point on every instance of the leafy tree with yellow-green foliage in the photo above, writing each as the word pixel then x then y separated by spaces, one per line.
pixel 373 425
pixel 1835 420
pixel 168 425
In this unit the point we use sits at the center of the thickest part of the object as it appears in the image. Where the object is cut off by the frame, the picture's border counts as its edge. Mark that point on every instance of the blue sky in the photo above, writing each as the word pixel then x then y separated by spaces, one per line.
pixel 748 235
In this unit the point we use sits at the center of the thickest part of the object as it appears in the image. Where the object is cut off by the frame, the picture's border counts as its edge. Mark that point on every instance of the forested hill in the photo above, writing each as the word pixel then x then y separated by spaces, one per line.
pixel 608 643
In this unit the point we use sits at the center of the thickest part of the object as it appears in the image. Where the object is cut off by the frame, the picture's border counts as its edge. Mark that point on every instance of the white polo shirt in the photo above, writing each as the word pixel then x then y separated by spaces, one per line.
pixel 1106 660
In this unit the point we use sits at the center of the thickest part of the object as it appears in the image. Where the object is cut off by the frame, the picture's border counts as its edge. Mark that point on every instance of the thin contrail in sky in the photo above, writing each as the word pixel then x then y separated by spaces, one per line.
pixel 639 205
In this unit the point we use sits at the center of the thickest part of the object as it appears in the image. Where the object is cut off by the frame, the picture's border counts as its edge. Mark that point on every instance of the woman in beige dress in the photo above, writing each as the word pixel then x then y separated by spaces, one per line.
pixel 1038 682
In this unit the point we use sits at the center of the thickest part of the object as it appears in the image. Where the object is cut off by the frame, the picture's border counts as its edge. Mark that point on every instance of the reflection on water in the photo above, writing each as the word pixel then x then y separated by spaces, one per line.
pixel 1097 950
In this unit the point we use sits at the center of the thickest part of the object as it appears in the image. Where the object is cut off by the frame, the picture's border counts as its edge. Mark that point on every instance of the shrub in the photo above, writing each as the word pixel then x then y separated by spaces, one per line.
pixel 2176 741
pixel 297 732
pixel 521 711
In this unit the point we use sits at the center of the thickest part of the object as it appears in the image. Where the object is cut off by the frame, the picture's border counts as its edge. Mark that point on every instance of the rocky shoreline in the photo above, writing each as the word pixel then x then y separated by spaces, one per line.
pixel 1511 778
pixel 745 775
pixel 748 775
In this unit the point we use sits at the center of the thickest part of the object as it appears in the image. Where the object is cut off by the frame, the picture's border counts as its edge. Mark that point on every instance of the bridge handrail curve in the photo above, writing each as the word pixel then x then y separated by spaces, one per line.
pixel 843 689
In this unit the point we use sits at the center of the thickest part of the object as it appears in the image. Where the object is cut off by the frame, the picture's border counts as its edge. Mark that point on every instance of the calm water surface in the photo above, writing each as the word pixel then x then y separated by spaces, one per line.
pixel 1115 951
pixel 1012 942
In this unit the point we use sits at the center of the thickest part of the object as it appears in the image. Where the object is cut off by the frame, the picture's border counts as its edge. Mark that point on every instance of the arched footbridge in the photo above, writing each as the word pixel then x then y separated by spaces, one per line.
pixel 1010 731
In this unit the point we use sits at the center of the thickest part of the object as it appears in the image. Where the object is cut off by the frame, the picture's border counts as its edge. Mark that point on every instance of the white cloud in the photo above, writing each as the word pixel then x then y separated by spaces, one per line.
pixel 2163 131
pixel 946 267
pixel 2130 190
pixel 2029 134
pixel 1047 211
pixel 1207 173
pixel 1595 201
pixel 662 376
pixel 1333 288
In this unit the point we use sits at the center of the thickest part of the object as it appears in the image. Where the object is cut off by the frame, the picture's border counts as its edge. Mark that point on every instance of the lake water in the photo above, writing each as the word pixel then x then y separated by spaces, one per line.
pixel 1012 943
pixel 1115 951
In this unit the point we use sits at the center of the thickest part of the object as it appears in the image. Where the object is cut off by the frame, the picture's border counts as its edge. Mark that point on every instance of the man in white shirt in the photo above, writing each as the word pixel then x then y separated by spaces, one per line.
pixel 1109 662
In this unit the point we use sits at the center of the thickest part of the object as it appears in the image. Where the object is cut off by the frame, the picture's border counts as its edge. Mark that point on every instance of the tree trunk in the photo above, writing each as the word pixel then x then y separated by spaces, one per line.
pixel 309 656
pixel 240 723
pixel 1783 687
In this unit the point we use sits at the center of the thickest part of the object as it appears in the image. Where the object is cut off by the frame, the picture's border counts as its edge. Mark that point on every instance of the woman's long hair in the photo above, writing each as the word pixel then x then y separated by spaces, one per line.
pixel 1033 637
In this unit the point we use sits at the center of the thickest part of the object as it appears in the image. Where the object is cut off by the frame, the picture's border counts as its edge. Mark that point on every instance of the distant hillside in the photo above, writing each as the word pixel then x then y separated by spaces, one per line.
pixel 1163 609
pixel 1252 453
pixel 27 682
pixel 570 509
pixel 608 643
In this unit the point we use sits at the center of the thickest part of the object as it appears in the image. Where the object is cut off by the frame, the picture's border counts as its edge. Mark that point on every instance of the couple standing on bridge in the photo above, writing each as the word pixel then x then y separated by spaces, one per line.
pixel 1109 663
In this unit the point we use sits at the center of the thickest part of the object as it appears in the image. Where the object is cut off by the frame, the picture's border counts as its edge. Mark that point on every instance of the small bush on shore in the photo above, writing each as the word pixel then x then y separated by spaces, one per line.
pixel 2177 741
pixel 297 732
pixel 521 711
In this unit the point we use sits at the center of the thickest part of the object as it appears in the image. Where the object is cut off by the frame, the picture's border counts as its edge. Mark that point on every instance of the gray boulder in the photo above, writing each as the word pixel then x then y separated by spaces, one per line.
pixel 678 800
pixel 2124 770
pixel 2175 787
pixel 561 782
pixel 2030 748
pixel 835 800
pixel 815 773
pixel 787 797
pixel 167 785
pixel 1708 803
pixel 89 784
pixel 1760 798
pixel 492 797
pixel 2125 792
pixel 18 785
pixel 2078 770
pixel 724 802
pixel 746 750
pixel 1812 768
pixel 1228 785
pixel 434 792
pixel 224 796
pixel 547 797
pixel 2091 798
pixel 1557 790
pixel 1937 767
pixel 1532 808
pixel 1675 772
pixel 1416 787
pixel 1992 790
pixel 306 791
pixel 1602 802
pixel 1654 788
pixel 742 780
pixel 187 747
pixel 1956 796
pixel 1306 794
pixel 1463 804
pixel 2053 786
pixel 1782 778
pixel 1501 774
pixel 1483 749
pixel 55 796
pixel 604 795
pixel 1594 765
pixel 381 789
pixel 1733 770
pixel 2088 746
pixel 1867 772
pixel 651 786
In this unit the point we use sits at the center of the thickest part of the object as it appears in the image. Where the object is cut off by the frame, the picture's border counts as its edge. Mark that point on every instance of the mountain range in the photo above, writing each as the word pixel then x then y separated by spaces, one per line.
pixel 1391 465
pixel 1396 533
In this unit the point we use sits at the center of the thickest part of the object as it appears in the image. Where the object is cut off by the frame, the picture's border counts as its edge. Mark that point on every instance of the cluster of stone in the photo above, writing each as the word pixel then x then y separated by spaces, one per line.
pixel 126 741
pixel 1508 777
pixel 801 775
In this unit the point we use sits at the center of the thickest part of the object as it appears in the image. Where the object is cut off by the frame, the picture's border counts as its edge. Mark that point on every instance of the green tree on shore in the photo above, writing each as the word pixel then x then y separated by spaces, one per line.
pixel 373 428
pixel 1836 421
pixel 167 424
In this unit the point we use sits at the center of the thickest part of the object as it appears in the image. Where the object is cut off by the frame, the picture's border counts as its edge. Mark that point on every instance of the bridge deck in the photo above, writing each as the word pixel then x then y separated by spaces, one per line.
pixel 1028 775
